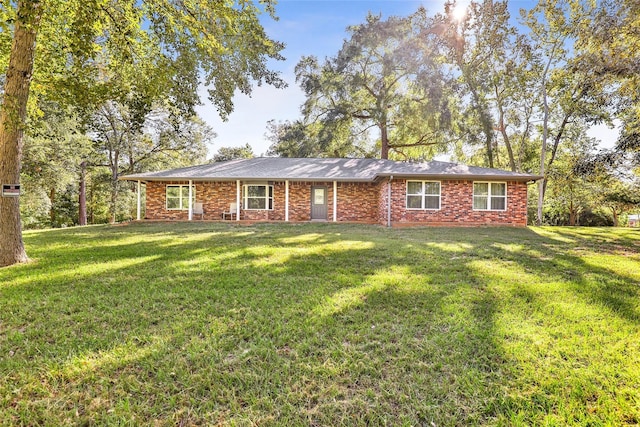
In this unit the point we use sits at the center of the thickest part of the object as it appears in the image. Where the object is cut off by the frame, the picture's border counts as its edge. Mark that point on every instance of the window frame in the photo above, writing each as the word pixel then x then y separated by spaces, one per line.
pixel 489 196
pixel 268 197
pixel 423 195
pixel 183 204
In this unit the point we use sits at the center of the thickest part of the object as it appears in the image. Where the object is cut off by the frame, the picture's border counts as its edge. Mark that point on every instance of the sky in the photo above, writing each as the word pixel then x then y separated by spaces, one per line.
pixel 310 27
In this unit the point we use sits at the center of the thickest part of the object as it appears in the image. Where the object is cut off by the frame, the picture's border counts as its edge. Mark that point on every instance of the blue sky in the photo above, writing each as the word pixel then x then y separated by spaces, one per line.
pixel 307 27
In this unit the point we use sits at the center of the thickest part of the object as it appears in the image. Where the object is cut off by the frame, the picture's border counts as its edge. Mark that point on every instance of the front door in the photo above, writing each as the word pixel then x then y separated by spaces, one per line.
pixel 319 203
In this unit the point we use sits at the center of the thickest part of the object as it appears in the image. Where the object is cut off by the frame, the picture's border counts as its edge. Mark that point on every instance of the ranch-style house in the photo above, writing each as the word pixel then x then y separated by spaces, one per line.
pixel 385 192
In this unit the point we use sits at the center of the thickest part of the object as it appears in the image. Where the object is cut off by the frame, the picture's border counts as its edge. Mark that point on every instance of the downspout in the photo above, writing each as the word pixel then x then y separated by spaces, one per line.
pixel 389 201
pixel 190 201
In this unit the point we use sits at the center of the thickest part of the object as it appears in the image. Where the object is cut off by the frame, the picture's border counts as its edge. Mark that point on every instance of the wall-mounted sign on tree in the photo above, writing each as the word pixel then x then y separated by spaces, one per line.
pixel 10 190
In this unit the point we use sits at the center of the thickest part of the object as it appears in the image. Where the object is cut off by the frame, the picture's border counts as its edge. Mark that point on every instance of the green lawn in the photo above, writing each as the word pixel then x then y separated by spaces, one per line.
pixel 205 324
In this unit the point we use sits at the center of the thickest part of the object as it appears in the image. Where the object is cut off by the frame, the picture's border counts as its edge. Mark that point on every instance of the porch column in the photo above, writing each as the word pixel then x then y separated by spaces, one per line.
pixel 190 201
pixel 389 201
pixel 138 206
pixel 238 200
pixel 335 201
pixel 286 200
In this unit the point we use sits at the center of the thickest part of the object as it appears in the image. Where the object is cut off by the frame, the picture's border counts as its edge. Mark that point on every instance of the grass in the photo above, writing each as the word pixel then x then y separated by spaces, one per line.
pixel 321 324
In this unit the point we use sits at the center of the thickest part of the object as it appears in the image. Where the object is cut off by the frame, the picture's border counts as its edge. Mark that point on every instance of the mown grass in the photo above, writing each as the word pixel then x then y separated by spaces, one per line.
pixel 321 324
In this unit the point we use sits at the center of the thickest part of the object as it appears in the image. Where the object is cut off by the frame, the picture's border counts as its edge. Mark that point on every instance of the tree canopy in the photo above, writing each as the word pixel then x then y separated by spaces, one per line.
pixel 91 54
pixel 384 85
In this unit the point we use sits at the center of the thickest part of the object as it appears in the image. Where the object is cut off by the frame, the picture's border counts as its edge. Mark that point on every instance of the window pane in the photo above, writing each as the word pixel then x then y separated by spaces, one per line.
pixel 255 203
pixel 173 191
pixel 498 189
pixel 414 202
pixel 431 188
pixel 479 202
pixel 414 187
pixel 173 203
pixel 498 203
pixel 185 193
pixel 318 196
pixel 432 202
pixel 480 189
pixel 256 190
pixel 270 203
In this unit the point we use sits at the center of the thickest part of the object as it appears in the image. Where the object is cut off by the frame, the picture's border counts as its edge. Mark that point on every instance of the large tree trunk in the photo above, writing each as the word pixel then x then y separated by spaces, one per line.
pixel 616 221
pixel 384 139
pixel 52 210
pixel 13 113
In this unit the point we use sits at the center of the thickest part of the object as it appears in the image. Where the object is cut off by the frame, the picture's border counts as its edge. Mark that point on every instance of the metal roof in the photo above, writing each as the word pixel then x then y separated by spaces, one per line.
pixel 322 169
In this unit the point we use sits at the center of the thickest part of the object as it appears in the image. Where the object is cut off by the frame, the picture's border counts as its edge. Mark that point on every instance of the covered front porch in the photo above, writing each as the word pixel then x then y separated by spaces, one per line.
pixel 250 200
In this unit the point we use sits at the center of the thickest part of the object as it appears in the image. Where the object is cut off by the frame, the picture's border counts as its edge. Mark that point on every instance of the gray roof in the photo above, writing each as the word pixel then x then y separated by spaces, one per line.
pixel 321 169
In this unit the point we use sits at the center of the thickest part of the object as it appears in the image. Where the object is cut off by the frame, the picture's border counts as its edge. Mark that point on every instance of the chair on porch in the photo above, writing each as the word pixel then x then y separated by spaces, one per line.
pixel 232 212
pixel 198 209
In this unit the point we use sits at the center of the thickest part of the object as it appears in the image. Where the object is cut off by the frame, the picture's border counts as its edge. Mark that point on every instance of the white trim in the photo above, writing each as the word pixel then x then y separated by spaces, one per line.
pixel 489 196
pixel 181 207
pixel 286 200
pixel 238 195
pixel 268 197
pixel 138 206
pixel 423 195
pixel 190 200
pixel 335 201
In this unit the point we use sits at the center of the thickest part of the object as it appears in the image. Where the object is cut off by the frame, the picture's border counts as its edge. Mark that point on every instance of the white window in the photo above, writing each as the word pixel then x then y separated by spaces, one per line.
pixel 178 197
pixel 258 197
pixel 423 195
pixel 490 196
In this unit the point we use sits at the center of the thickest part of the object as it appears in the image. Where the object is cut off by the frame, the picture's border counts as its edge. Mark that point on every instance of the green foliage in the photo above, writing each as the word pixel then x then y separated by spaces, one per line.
pixel 89 52
pixel 386 77
pixel 231 153
pixel 321 324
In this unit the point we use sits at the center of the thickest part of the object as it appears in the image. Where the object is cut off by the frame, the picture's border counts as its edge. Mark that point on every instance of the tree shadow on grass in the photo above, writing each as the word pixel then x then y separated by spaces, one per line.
pixel 323 325
pixel 232 332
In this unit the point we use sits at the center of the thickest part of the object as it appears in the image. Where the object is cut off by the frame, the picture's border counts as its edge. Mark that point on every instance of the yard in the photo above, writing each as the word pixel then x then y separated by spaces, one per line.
pixel 321 324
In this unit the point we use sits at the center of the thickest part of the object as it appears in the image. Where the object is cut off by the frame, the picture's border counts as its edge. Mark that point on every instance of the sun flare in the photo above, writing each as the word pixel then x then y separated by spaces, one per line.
pixel 459 11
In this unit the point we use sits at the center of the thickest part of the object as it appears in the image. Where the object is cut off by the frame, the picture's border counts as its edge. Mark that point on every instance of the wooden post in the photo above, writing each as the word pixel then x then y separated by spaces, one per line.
pixel 286 200
pixel 139 207
pixel 190 201
pixel 238 200
pixel 335 201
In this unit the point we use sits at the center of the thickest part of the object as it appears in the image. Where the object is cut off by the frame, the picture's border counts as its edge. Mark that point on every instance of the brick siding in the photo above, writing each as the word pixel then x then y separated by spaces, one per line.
pixel 357 202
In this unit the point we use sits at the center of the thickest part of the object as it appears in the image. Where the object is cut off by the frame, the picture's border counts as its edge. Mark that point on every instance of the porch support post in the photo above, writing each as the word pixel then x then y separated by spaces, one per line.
pixel 389 201
pixel 286 200
pixel 190 201
pixel 138 206
pixel 238 200
pixel 335 201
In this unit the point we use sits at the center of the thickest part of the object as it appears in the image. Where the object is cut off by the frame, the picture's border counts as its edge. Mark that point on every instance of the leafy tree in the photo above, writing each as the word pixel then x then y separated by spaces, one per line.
pixel 387 78
pixel 608 46
pixel 54 150
pixel 479 47
pixel 299 139
pixel 231 153
pixel 130 143
pixel 221 41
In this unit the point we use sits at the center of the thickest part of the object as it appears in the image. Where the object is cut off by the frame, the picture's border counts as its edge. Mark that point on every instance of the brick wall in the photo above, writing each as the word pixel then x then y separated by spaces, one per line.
pixel 456 206
pixel 357 202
